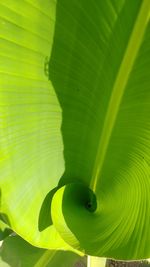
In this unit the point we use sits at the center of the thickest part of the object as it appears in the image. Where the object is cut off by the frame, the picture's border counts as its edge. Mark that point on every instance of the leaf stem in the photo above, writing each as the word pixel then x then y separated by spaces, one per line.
pixel 96 261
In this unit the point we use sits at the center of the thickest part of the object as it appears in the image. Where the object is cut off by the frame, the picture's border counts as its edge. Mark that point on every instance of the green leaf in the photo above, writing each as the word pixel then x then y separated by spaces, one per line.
pixel 101 60
pixel 16 252
pixel 4 230
pixel 31 142
pixel 75 131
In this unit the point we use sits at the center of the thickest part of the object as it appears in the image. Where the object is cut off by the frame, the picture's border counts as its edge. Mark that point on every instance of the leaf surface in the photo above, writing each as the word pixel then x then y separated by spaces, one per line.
pixel 16 252
pixel 31 143
pixel 79 120
pixel 100 70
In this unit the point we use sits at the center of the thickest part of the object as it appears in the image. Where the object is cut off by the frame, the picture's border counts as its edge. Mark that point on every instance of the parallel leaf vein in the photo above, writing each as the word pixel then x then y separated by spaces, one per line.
pixel 119 88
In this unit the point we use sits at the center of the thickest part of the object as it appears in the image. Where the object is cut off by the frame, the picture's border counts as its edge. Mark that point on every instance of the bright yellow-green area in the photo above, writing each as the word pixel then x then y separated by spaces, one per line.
pixel 31 144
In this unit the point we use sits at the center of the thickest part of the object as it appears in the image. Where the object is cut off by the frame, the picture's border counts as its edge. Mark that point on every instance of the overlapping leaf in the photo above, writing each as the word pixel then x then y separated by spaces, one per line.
pixel 30 138
pixel 15 252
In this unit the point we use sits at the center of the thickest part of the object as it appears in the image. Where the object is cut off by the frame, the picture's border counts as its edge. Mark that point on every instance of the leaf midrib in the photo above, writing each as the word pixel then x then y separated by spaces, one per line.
pixel 45 259
pixel 119 88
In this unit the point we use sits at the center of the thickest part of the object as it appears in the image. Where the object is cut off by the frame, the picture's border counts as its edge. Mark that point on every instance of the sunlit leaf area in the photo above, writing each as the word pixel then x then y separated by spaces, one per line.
pixel 74 133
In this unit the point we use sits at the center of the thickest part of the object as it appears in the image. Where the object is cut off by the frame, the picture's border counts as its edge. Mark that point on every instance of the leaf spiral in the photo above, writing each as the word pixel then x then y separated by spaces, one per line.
pixel 74 207
pixel 103 225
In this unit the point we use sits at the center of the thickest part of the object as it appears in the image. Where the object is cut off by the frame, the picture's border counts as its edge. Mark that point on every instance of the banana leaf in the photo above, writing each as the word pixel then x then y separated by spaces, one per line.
pixel 4 231
pixel 16 252
pixel 75 124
